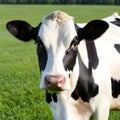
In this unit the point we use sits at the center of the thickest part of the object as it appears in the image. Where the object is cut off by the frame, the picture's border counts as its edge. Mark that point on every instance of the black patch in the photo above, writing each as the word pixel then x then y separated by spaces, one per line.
pixel 117 47
pixel 50 96
pixel 85 87
pixel 54 97
pixel 115 87
pixel 116 22
pixel 92 54
pixel 42 54
pixel 70 55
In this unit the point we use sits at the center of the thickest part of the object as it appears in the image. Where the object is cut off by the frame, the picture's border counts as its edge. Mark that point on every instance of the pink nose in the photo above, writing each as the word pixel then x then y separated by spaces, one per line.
pixel 55 82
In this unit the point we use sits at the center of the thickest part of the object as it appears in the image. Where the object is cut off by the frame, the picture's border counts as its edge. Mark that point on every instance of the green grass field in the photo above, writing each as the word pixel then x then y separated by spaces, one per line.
pixel 20 96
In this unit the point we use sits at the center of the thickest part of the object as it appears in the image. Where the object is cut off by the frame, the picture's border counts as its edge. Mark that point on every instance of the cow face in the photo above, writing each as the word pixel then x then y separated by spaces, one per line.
pixel 57 39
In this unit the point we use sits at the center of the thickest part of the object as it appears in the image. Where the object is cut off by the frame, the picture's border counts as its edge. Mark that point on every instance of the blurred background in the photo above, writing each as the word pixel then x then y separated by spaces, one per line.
pixel 116 2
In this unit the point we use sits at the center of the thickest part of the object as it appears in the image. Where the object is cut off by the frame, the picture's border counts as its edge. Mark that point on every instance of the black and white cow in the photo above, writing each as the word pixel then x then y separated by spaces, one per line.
pixel 80 66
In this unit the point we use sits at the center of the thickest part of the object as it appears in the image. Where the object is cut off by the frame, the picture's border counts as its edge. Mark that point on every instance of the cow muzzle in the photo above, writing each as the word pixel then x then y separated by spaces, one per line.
pixel 55 82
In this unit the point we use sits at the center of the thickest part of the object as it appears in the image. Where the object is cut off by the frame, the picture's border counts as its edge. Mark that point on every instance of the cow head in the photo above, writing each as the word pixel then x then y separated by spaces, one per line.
pixel 57 38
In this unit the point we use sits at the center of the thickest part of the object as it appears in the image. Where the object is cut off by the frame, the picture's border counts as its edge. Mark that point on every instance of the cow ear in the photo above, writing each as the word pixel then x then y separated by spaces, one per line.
pixel 22 30
pixel 94 29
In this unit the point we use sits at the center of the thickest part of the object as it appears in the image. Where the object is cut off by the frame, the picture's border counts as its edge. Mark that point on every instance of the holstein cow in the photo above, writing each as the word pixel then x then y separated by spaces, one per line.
pixel 80 66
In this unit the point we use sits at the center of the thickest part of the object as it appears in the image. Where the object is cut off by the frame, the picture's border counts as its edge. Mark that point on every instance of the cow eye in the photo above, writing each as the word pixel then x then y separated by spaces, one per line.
pixel 74 46
pixel 74 43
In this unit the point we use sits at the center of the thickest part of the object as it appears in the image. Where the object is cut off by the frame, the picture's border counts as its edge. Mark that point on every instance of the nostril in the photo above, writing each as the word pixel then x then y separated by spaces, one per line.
pixel 47 81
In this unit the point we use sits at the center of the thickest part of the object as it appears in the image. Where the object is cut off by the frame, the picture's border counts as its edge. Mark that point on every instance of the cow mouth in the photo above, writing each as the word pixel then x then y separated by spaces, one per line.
pixel 54 88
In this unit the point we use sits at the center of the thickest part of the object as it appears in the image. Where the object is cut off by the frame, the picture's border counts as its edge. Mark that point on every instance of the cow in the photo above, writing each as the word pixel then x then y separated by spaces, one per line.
pixel 79 65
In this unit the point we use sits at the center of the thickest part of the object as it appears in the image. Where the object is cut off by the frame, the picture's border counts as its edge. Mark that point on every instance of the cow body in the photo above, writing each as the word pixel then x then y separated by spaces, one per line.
pixel 79 65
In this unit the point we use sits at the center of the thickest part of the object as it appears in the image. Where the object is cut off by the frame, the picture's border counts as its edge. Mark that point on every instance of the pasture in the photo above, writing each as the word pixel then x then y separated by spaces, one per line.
pixel 20 96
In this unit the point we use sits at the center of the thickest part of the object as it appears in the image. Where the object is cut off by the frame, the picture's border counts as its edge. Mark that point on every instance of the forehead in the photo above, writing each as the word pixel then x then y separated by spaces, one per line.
pixel 57 27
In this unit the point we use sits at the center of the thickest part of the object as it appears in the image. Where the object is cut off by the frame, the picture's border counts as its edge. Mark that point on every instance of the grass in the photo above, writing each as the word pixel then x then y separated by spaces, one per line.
pixel 20 96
